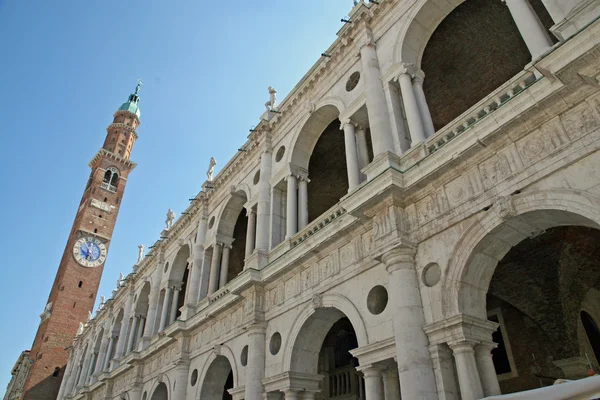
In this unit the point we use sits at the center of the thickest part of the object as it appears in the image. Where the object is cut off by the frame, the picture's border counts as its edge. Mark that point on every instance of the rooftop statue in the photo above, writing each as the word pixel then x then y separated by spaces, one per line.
pixel 272 103
pixel 140 253
pixel 80 329
pixel 170 219
pixel 211 169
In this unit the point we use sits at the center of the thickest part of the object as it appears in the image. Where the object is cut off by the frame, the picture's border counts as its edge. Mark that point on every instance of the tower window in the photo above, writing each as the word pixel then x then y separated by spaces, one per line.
pixel 95 230
pixel 105 199
pixel 111 179
pixel 74 304
pixel 56 371
pixel 80 284
pixel 99 215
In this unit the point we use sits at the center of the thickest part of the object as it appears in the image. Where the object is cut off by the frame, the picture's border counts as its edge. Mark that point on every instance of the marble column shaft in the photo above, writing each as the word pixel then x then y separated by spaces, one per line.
pixel 122 342
pixel 487 371
pixel 174 302
pixel 351 156
pixel 132 333
pixel 391 384
pixel 373 384
pixel 532 30
pixel 224 266
pixel 362 147
pixel 165 309
pixel 303 203
pixel 411 106
pixel 107 357
pixel 215 265
pixel 466 368
pixel 422 101
pixel 250 232
pixel 263 207
pixel 255 369
pixel 414 361
pixel 193 289
pixel 379 122
pixel 292 207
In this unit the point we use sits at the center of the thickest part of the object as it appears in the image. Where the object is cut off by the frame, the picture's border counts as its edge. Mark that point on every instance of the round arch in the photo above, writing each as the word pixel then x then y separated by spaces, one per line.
pixel 423 19
pixel 301 348
pixel 305 140
pixel 214 373
pixel 230 213
pixel 179 263
pixel 161 389
pixel 489 238
pixel 142 296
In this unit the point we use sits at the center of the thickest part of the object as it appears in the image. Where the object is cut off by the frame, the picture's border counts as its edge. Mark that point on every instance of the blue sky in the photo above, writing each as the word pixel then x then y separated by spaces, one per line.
pixel 66 67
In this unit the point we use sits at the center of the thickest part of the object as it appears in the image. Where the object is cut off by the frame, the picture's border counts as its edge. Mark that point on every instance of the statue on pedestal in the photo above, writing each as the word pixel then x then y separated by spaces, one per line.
pixel 140 253
pixel 89 316
pixel 272 103
pixel 211 169
pixel 170 219
pixel 80 330
pixel 47 311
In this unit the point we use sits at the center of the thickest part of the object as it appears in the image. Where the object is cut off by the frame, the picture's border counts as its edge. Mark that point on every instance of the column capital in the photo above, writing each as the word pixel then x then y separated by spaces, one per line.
pixel 346 121
pixel 418 76
pixel 257 329
pixel 406 69
pixel 370 370
pixel 402 257
pixel 462 346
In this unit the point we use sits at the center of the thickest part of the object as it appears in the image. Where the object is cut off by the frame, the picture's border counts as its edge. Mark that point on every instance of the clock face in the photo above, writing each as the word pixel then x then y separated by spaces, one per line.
pixel 89 251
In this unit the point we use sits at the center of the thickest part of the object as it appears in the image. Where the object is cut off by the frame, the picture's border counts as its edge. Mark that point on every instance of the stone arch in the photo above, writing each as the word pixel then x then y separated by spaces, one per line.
pixel 230 213
pixel 306 138
pixel 142 303
pixel 301 348
pixel 161 389
pixel 215 373
pixel 178 265
pixel 511 220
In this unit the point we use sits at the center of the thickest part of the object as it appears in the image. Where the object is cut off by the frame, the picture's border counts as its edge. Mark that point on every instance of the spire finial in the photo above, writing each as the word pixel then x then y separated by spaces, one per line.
pixel 139 85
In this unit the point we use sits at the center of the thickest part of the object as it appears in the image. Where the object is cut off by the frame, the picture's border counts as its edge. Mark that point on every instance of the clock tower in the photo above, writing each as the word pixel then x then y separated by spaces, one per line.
pixel 75 287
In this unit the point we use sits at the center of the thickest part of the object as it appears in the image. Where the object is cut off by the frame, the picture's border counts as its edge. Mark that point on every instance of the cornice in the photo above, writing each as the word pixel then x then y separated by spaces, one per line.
pixel 121 125
pixel 103 153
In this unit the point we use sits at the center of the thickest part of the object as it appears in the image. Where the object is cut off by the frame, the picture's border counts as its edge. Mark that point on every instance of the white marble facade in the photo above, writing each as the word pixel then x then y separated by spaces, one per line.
pixel 406 255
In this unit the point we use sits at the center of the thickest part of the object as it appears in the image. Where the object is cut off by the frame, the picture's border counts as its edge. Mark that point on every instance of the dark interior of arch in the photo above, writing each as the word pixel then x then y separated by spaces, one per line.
pixel 228 385
pixel 181 298
pixel 327 171
pixel 161 392
pixel 238 248
pixel 539 287
pixel 473 51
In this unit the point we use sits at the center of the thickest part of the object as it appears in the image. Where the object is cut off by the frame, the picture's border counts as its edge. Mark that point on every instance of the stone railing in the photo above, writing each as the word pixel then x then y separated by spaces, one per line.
pixel 344 383
pixel 583 389
pixel 481 110
pixel 323 220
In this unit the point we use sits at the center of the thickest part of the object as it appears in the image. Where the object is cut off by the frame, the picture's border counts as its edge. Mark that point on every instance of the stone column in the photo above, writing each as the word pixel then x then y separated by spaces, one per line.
pixel 107 357
pixel 193 288
pixel 90 370
pixel 466 368
pixel 132 333
pixel 255 369
pixel 67 377
pixel 122 342
pixel 423 107
pixel 290 394
pixel 263 207
pixel 101 355
pixel 414 362
pixel 174 302
pixel 140 332
pixel 532 30
pixel 165 309
pixel 373 383
pixel 391 384
pixel 151 316
pixel 411 106
pixel 303 203
pixel 224 265
pixel 292 207
pixel 362 147
pixel 181 379
pixel 135 393
pixel 443 368
pixel 487 371
pixel 250 232
pixel 73 383
pixel 395 111
pixel 213 281
pixel 351 155
pixel 381 131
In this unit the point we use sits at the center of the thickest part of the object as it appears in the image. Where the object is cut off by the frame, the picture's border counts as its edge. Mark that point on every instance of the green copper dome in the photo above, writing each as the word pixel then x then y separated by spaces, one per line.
pixel 131 104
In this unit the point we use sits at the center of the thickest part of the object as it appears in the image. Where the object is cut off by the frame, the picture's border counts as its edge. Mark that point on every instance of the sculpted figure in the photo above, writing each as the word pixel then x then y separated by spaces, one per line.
pixel 89 316
pixel 140 253
pixel 272 103
pixel 211 169
pixel 47 311
pixel 102 301
pixel 80 330
pixel 170 218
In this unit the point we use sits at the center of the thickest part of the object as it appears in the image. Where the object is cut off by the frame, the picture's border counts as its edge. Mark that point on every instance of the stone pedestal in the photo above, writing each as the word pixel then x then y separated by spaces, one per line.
pixel 574 367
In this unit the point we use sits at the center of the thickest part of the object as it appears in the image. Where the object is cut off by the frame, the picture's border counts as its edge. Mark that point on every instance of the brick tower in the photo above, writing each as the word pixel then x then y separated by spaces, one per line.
pixel 75 287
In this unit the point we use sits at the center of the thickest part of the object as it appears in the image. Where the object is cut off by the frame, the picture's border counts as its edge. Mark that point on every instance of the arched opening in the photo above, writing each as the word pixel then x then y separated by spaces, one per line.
pixel 179 275
pixel 116 331
pixel 323 347
pixel 592 333
pixel 159 308
pixel 218 380
pixel 111 179
pixel 327 171
pixel 161 392
pixel 537 290
pixel 96 350
pixel 232 228
pixel 473 51
pixel 141 311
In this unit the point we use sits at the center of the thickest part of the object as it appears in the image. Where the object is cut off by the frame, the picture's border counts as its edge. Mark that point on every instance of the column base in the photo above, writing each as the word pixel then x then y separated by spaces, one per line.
pixel 257 260
pixel 380 164
pixel 188 311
